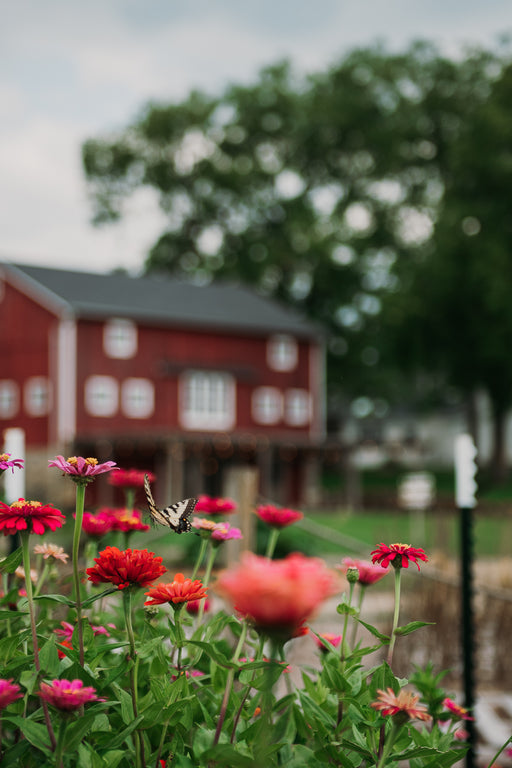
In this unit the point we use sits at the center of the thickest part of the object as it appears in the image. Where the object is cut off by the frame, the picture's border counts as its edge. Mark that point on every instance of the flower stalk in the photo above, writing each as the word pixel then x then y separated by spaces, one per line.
pixel 79 510
pixel 396 612
pixel 134 668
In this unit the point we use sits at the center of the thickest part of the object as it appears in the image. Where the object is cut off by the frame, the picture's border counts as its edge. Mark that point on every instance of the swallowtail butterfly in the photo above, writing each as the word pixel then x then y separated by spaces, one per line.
pixel 175 516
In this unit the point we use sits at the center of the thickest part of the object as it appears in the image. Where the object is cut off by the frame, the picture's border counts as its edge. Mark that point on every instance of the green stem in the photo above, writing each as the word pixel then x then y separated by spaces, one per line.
pixel 272 541
pixel 180 635
pixel 129 499
pixel 134 668
pixel 362 590
pixel 387 745
pixel 60 743
pixel 42 578
pixel 24 536
pixel 345 648
pixel 200 556
pixel 80 500
pixel 206 578
pixel 398 574
pixel 498 753
pixel 229 684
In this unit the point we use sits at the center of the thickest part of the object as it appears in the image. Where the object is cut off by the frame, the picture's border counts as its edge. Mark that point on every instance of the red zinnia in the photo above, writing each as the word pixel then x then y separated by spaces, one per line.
pixel 405 705
pixel 31 516
pixel 398 555
pixel 9 692
pixel 211 505
pixel 278 518
pixel 181 590
pixel 278 596
pixel 130 478
pixel 368 573
pixel 130 568
pixel 124 520
pixel 96 525
pixel 456 710
pixel 67 695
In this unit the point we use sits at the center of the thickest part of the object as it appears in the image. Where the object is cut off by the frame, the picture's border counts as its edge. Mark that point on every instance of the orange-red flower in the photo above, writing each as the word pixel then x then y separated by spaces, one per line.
pixel 180 590
pixel 67 695
pixel 278 596
pixel 31 516
pixel 128 568
pixel 130 478
pixel 277 517
pixel 368 573
pixel 405 705
pixel 398 555
pixel 456 710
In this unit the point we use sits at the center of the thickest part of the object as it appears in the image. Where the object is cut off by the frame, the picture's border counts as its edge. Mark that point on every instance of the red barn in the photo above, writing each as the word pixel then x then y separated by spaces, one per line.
pixel 181 379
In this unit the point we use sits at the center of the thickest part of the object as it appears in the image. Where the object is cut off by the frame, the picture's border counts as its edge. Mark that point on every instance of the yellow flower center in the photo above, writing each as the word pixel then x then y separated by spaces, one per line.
pixel 4 456
pixel 74 461
pixel 23 504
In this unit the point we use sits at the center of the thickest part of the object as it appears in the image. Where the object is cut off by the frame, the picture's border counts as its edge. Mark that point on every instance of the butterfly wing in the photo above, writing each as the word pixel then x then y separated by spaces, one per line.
pixel 175 516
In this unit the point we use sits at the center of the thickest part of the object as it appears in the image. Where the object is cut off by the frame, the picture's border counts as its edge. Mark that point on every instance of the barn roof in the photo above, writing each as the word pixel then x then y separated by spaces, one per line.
pixel 161 299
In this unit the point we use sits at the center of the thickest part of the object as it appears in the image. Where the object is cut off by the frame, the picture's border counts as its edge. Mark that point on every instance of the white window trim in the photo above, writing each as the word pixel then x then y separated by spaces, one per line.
pixel 30 389
pixel 282 352
pixel 110 404
pixel 120 338
pixel 144 405
pixel 291 416
pixel 263 410
pixel 201 418
pixel 13 390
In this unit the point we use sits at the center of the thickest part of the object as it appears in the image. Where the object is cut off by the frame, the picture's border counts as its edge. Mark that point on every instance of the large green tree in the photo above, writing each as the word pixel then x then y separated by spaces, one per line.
pixel 321 191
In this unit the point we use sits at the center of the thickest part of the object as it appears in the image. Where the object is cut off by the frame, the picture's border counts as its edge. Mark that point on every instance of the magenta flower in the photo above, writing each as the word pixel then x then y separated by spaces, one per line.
pixel 80 470
pixel 212 505
pixel 368 572
pixel 277 517
pixel 96 525
pixel 9 692
pixel 225 532
pixel 66 633
pixel 6 462
pixel 31 516
pixel 399 555
pixel 130 478
pixel 67 695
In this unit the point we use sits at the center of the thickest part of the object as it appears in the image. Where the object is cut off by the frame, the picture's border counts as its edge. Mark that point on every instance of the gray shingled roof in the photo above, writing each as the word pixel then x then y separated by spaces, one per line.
pixel 164 299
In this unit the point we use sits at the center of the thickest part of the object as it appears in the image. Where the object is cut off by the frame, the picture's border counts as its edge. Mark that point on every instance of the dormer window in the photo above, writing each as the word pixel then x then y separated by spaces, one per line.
pixel 282 353
pixel 120 338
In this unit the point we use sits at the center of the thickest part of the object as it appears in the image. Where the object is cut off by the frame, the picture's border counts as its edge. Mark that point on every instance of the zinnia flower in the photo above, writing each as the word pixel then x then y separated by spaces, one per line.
pixel 51 551
pixel 211 505
pixel 6 462
pixel 278 596
pixel 334 640
pixel 80 470
pixel 67 695
pixel 398 555
pixel 225 532
pixel 276 517
pixel 66 633
pixel 9 692
pixel 31 516
pixel 96 525
pixel 404 705
pixel 124 520
pixel 368 573
pixel 130 568
pixel 193 606
pixel 456 710
pixel 181 590
pixel 130 478
pixel 202 524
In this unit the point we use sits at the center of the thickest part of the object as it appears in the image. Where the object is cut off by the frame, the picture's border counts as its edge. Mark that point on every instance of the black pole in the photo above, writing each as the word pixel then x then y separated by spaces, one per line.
pixel 467 626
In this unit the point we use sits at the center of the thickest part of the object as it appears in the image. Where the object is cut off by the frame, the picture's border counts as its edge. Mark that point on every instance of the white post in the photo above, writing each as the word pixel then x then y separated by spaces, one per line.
pixel 14 482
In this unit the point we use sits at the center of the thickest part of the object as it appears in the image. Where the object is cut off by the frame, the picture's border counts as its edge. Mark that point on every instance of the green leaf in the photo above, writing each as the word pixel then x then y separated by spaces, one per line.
pixel 214 654
pixel 412 627
pixel 35 733
pixel 49 658
pixel 345 608
pixel 12 561
pixel 56 599
pixel 385 639
pixel 11 615
pixel 90 600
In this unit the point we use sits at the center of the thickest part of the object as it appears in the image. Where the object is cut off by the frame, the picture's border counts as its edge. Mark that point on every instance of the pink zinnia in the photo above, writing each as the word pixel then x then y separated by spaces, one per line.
pixel 7 463
pixel 9 692
pixel 124 520
pixel 368 573
pixel 130 478
pixel 225 532
pixel 405 705
pixel 277 517
pixel 130 568
pixel 278 596
pixel 334 640
pixel 456 710
pixel 31 516
pixel 398 555
pixel 67 695
pixel 80 470
pixel 96 525
pixel 212 505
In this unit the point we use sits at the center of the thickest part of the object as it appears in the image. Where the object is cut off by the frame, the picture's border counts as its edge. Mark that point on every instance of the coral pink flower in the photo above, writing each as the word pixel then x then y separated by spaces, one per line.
pixel 334 640
pixel 7 463
pixel 180 590
pixel 130 478
pixel 67 695
pixel 225 532
pixel 66 633
pixel 211 505
pixel 51 551
pixel 193 606
pixel 31 516
pixel 80 470
pixel 9 692
pixel 96 525
pixel 278 596
pixel 202 524
pixel 124 520
pixel 398 555
pixel 277 517
pixel 368 573
pixel 128 568
pixel 405 705
pixel 456 710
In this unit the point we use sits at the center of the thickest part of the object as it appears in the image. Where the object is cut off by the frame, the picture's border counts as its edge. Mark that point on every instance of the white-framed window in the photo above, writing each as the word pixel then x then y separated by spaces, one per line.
pixel 120 338
pixel 207 400
pixel 101 395
pixel 282 352
pixel 36 396
pixel 267 405
pixel 138 398
pixel 297 407
pixel 9 398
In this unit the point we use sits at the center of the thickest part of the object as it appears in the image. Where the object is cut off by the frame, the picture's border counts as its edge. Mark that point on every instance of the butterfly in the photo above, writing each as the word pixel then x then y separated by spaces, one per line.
pixel 175 516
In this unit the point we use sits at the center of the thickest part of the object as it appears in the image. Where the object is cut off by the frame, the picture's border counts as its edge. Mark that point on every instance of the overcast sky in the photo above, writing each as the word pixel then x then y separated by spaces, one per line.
pixel 72 70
